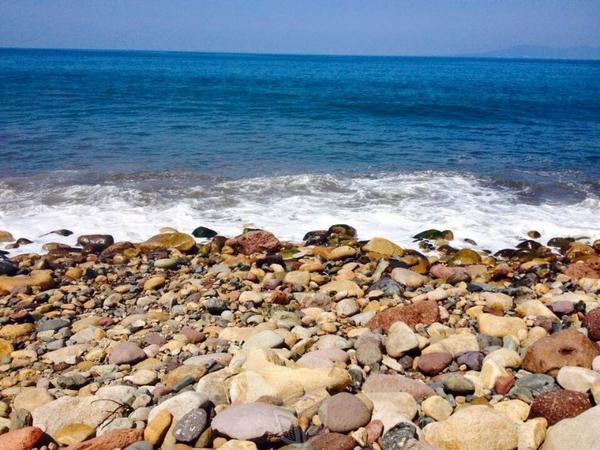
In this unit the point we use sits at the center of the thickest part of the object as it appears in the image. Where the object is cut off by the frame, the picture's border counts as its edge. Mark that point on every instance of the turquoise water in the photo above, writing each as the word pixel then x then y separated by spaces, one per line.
pixel 151 130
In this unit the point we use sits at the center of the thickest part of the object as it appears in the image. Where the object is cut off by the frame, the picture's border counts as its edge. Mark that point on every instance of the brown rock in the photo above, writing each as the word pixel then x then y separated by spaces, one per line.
pixel 329 441
pixel 557 405
pixel 592 323
pixel 565 348
pixel 180 241
pixel 38 278
pixel 433 363
pixel 344 412
pixel 424 312
pixel 584 269
pixel 256 241
pixel 503 384
pixel 397 383
pixel 23 439
pixel 110 441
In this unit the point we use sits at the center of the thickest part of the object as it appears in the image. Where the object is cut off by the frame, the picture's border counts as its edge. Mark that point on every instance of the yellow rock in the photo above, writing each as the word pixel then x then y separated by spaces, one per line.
pixel 383 247
pixel 238 445
pixel 505 357
pixel 180 241
pixel 74 433
pixel 179 373
pixel 341 252
pixel 517 410
pixel 465 257
pixel 437 407
pixel 490 372
pixel 5 236
pixel 297 277
pixel 501 326
pixel 532 433
pixel 39 278
pixel 157 428
pixel 5 347
pixel 534 308
pixel 13 331
pixel 350 287
pixel 74 272
pixel 454 344
pixel 154 282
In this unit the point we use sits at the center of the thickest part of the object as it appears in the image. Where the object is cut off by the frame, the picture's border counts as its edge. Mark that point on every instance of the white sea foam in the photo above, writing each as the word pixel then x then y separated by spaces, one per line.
pixel 393 206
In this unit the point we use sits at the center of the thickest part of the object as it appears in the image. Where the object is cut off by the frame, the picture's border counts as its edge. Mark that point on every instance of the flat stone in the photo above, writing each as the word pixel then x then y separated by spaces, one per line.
pixel 368 353
pixel 436 407
pixel 329 441
pixel 577 378
pixel 581 432
pixel 426 313
pixel 74 433
pixel 23 439
pixel 400 340
pixel 397 383
pixel 408 278
pixel 110 441
pixel 433 363
pixel 343 413
pixel 31 397
pixel 126 353
pixel 157 428
pixel 190 426
pixel 180 404
pixel 501 326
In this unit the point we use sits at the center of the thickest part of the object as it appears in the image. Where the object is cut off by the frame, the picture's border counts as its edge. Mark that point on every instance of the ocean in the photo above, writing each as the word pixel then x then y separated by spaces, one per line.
pixel 127 142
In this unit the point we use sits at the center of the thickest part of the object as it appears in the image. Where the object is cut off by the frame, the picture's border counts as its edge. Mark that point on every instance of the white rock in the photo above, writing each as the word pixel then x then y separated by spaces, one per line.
pixel 577 379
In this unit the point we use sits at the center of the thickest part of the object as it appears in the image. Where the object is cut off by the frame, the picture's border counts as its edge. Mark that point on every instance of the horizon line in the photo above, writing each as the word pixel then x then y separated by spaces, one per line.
pixel 359 55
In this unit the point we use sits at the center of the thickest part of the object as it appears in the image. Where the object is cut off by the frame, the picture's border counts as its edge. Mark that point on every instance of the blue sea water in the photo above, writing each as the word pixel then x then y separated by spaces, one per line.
pixel 129 140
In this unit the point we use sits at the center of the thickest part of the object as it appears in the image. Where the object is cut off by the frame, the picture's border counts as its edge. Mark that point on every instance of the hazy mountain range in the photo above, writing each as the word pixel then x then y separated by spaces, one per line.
pixel 543 52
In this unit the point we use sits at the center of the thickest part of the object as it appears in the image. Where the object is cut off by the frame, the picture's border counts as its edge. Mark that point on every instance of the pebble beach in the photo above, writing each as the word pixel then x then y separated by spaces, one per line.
pixel 193 340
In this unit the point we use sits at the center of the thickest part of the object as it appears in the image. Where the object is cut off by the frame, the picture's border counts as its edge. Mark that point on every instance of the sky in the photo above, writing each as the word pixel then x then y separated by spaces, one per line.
pixel 358 27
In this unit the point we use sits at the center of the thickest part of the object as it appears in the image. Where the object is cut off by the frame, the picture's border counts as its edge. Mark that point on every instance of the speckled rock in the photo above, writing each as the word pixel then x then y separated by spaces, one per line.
pixel 557 405
pixel 424 312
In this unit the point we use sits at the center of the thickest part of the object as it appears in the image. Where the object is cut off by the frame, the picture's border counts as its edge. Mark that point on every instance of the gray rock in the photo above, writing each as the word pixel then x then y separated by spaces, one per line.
pixel 397 437
pixel 191 426
pixel 458 385
pixel 51 324
pixel 368 353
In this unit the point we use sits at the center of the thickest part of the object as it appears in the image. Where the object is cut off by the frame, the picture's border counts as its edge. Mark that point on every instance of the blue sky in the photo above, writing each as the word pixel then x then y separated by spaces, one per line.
pixel 415 27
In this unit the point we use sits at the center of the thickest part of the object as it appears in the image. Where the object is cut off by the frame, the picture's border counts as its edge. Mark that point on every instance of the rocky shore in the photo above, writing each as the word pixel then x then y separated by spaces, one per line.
pixel 189 341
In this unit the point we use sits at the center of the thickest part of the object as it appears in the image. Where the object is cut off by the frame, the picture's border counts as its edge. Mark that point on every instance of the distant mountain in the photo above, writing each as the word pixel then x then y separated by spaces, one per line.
pixel 543 52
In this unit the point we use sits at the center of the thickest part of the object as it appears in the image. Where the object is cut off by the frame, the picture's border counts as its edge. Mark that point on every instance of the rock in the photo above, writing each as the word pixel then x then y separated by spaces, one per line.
pixel 51 324
pixel 23 439
pixel 408 278
pixel 383 247
pixel 31 397
pixel 516 409
pixel 191 425
pixel 74 433
pixel 193 335
pixel 400 339
pixel 565 348
pixel 157 428
pixel 95 243
pixel 475 428
pixel 179 405
pixel 126 353
pixel 264 339
pixel 532 433
pixel 470 359
pixel 13 331
pixel 5 236
pixel 555 406
pixel 434 235
pixel 577 378
pixel 300 277
pixel 388 286
pixel 397 383
pixel 203 232
pixel 349 287
pixel 397 437
pixel 68 354
pixel 458 385
pixel 391 408
pixel 425 313
pixel 343 413
pixel 436 407
pixel 7 267
pixel 110 441
pixel 347 307
pixel 500 326
pixel 454 344
pixel 433 363
pixel 329 441
pixel 37 278
pixel 235 444
pixel 368 353
pixel 179 241
pixel 154 283
pixel 592 323
pixel 256 241
pixel 534 308
pixel 465 257
pixel 581 432
pixel 253 421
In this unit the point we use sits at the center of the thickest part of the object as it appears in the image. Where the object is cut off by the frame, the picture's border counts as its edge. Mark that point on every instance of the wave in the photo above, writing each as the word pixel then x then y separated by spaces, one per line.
pixel 396 206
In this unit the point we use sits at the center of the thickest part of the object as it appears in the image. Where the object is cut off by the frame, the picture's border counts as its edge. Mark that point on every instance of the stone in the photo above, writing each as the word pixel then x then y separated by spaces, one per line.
pixel 179 241
pixel 408 278
pixel 479 427
pixel 592 323
pixel 329 441
pixel 454 344
pixel 516 409
pixel 581 432
pixel 368 353
pixel 300 277
pixel 534 308
pixel 577 378
pixel 256 241
pixel 126 353
pixel 347 307
pixel 204 232
pixel 397 437
pixel 397 383
pixel 555 406
pixel 465 257
pixel 95 243
pixel 68 354
pixel 497 301
pixel 433 363
pixel 74 433
pixel 532 433
pixel 253 421
pixel 383 247
pixel 7 267
pixel 13 331
pixel 110 441
pixel 179 405
pixel 22 439
pixel 264 339
pixel 425 313
pixel 343 413
pixel 51 324
pixel 501 326
pixel 388 286
pixel 154 282
pixel 31 397
pixel 37 278
pixel 191 425
pixel 400 339
pixel 235 444
pixel 458 385
pixel 157 428
pixel 5 236
pixel 470 359
pixel 436 407
pixel 564 348
pixel 349 287
pixel 142 377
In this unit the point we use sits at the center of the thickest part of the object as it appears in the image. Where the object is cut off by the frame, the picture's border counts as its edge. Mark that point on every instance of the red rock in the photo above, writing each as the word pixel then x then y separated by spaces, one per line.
pixel 126 353
pixel 330 441
pixel 374 430
pixel 592 323
pixel 118 439
pixel 22 439
pixel 584 269
pixel 561 307
pixel 423 312
pixel 193 335
pixel 257 241
pixel 503 384
pixel 565 348
pixel 558 405
pixel 433 363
